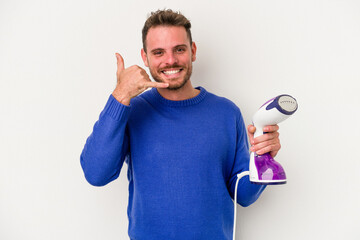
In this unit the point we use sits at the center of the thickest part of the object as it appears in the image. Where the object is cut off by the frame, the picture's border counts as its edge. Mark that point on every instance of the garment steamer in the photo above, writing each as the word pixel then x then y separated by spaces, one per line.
pixel 263 169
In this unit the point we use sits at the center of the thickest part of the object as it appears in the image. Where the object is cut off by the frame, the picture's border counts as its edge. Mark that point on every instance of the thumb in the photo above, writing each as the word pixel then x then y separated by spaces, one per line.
pixel 251 130
pixel 120 62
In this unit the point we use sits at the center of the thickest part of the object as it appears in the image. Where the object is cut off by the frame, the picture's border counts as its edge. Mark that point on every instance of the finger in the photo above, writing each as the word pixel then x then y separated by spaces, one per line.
pixel 251 129
pixel 268 148
pixel 271 128
pixel 274 144
pixel 145 75
pixel 266 137
pixel 120 62
pixel 156 85
pixel 273 153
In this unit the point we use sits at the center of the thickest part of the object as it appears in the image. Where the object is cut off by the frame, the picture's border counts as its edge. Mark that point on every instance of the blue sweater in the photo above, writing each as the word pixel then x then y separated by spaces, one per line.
pixel 182 156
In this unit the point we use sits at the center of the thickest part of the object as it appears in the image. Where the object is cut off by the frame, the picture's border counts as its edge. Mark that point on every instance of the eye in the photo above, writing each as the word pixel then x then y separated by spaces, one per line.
pixel 180 50
pixel 158 53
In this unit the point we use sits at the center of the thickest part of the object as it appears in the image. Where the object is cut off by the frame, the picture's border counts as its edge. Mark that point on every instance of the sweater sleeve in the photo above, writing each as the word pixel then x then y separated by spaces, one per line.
pixel 247 192
pixel 107 147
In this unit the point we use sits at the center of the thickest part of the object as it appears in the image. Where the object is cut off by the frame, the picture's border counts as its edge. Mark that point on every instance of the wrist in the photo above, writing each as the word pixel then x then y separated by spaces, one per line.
pixel 121 98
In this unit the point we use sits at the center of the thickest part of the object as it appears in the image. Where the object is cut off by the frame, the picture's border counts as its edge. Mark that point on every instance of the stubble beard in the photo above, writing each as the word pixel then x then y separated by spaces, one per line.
pixel 177 86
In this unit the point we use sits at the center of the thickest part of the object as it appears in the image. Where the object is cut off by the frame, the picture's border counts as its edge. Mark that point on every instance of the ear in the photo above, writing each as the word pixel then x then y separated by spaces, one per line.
pixel 144 57
pixel 193 51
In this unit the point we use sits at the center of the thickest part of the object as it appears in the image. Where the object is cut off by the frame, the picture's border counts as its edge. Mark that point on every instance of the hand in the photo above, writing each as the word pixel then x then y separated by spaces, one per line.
pixel 131 81
pixel 268 142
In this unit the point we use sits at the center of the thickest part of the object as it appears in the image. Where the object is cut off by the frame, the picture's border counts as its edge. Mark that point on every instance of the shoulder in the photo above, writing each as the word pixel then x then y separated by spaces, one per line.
pixel 142 101
pixel 142 105
pixel 222 103
pixel 140 98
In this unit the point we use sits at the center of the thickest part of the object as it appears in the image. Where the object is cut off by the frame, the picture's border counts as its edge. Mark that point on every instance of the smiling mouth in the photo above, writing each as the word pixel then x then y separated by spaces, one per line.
pixel 171 72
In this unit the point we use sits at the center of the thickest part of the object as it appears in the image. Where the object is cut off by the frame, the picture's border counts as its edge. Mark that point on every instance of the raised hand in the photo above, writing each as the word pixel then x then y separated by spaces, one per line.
pixel 131 81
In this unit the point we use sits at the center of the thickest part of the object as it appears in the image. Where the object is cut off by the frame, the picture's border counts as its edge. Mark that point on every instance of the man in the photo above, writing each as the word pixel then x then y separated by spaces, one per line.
pixel 184 146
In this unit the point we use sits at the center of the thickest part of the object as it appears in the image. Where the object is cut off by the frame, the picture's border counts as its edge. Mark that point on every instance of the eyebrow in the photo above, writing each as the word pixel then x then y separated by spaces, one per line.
pixel 181 45
pixel 161 49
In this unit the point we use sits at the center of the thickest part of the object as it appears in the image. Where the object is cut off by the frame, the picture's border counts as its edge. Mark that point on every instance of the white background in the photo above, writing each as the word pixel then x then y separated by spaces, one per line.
pixel 57 69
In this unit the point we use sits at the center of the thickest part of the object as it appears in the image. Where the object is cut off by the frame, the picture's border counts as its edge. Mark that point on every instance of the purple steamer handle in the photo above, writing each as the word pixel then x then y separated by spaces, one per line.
pixel 269 170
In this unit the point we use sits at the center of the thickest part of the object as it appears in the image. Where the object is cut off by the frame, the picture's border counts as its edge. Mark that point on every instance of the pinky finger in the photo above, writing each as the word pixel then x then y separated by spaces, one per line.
pixel 156 85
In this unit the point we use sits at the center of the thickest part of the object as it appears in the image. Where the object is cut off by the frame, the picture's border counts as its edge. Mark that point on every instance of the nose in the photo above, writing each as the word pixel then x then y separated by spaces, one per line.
pixel 171 59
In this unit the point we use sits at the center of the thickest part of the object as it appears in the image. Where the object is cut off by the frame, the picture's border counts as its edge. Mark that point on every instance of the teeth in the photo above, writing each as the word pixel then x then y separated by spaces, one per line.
pixel 171 72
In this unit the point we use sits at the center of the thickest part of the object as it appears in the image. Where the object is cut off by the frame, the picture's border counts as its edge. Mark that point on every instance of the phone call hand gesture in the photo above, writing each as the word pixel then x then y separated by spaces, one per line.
pixel 131 81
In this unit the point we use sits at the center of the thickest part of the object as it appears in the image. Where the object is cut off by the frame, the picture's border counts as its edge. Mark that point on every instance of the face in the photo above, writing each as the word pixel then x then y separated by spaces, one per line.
pixel 169 55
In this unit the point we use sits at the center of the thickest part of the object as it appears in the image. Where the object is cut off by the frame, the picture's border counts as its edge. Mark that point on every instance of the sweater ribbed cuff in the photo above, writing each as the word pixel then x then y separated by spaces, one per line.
pixel 115 109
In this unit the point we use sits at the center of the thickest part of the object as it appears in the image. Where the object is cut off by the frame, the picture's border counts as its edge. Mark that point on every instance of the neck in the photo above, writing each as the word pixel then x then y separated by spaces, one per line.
pixel 186 92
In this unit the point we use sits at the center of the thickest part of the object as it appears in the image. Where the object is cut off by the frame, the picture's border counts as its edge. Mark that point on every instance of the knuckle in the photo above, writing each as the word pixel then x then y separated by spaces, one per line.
pixel 268 136
pixel 143 85
pixel 138 68
pixel 140 86
pixel 144 74
pixel 134 67
pixel 274 135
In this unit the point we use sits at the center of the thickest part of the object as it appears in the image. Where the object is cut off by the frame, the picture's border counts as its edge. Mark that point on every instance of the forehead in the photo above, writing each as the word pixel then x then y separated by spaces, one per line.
pixel 166 37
